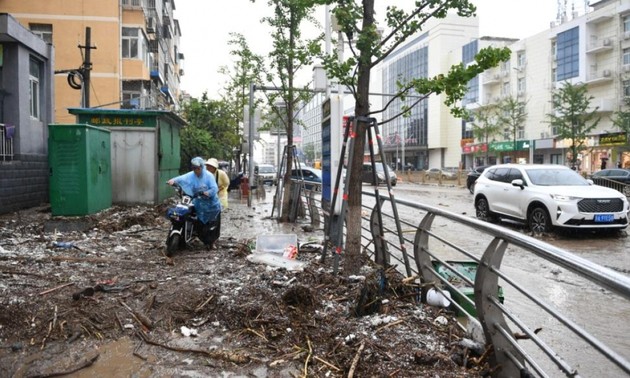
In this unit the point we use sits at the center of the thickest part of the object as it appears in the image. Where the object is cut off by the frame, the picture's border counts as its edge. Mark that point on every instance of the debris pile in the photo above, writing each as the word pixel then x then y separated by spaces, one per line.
pixel 71 287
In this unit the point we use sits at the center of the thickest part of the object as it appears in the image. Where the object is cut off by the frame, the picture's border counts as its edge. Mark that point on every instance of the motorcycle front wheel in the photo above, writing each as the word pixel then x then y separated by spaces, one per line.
pixel 172 244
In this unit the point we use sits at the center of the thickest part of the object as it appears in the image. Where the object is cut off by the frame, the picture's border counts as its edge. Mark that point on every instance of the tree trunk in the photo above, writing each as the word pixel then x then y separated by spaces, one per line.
pixel 362 108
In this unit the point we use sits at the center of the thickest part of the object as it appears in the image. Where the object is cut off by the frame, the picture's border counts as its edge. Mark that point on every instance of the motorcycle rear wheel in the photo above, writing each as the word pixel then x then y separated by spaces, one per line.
pixel 172 244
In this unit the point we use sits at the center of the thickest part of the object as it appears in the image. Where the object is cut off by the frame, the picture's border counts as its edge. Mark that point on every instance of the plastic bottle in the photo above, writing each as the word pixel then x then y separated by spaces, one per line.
pixel 63 244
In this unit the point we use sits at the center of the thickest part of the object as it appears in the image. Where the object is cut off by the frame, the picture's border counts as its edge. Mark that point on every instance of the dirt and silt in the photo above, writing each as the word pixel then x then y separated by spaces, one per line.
pixel 110 303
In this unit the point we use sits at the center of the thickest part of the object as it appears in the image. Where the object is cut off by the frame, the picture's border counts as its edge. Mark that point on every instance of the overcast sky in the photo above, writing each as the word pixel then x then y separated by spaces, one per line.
pixel 206 25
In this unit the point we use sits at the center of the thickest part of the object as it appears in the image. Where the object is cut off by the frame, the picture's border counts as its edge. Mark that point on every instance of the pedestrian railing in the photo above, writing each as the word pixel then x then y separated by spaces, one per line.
pixel 6 141
pixel 528 298
pixel 614 184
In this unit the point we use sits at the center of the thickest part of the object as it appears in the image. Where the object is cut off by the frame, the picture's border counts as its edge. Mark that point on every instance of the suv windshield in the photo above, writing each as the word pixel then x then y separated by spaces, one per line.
pixel 555 177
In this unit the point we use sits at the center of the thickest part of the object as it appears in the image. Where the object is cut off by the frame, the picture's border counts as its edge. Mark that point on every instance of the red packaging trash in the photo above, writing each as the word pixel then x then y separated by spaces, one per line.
pixel 290 252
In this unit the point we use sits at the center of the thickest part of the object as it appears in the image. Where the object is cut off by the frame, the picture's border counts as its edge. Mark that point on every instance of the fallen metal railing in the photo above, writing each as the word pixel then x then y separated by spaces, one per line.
pixel 440 236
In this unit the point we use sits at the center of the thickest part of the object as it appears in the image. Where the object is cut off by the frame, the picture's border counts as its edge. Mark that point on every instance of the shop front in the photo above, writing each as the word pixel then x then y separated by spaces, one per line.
pixel 612 151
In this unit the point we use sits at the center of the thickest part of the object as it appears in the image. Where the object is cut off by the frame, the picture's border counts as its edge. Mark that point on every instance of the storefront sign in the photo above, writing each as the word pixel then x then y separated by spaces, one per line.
pixel 509 145
pixel 613 139
pixel 466 141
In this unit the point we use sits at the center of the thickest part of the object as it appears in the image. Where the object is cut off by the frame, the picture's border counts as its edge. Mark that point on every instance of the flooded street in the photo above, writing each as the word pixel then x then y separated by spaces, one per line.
pixel 597 310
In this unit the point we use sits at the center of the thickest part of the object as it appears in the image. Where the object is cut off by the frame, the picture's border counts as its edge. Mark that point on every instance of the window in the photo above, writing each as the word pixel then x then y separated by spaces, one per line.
pixel 626 24
pixel 131 3
pixel 520 85
pixel 505 89
pixel 626 88
pixel 520 59
pixel 626 56
pixel 43 31
pixel 568 49
pixel 130 43
pixel 34 76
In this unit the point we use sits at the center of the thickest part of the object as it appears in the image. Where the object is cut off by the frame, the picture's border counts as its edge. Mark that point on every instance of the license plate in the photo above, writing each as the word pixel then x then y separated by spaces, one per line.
pixel 604 218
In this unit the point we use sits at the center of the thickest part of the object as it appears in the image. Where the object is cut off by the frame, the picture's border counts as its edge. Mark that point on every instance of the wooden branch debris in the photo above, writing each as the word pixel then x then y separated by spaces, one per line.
pixel 56 288
pixel 204 303
pixel 355 360
pixel 138 316
pixel 228 356
pixel 87 362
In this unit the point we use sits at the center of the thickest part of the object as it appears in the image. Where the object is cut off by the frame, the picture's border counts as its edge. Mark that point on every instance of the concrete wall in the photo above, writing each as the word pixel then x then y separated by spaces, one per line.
pixel 24 176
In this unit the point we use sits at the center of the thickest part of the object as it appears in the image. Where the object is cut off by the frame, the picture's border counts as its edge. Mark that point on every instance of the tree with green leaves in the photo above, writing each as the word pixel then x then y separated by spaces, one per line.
pixel 512 116
pixel 484 120
pixel 248 68
pixel 572 117
pixel 370 47
pixel 210 132
pixel 291 53
pixel 621 118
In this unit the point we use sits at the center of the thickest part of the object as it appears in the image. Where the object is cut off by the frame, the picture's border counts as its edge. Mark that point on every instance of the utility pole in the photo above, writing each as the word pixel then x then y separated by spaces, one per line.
pixel 87 67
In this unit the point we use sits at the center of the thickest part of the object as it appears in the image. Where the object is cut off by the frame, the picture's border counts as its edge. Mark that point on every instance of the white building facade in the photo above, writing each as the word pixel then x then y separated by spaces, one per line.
pixel 593 49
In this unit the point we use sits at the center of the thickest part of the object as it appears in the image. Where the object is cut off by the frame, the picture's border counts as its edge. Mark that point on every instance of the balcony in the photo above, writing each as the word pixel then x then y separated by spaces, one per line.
pixel 491 78
pixel 599 77
pixel 596 18
pixel 599 46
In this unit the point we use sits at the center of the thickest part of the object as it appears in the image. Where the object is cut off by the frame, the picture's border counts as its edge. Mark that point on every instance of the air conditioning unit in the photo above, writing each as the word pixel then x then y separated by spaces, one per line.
pixel 606 73
pixel 626 35
pixel 626 68
pixel 151 25
pixel 606 42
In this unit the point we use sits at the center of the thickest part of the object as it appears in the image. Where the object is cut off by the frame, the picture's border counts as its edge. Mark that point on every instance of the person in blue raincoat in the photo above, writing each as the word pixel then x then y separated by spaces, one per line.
pixel 207 206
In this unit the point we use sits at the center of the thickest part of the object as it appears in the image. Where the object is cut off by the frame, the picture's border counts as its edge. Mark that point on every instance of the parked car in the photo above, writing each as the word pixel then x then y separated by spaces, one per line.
pixel 616 174
pixel 312 177
pixel 367 174
pixel 548 196
pixel 472 177
pixel 449 173
pixel 265 173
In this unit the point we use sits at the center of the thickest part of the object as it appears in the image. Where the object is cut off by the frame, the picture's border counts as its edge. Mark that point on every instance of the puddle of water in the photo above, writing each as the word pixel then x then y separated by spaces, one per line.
pixel 116 359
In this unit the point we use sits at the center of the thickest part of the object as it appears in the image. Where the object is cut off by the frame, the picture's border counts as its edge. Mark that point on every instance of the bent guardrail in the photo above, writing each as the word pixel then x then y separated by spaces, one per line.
pixel 441 235
pixel 531 330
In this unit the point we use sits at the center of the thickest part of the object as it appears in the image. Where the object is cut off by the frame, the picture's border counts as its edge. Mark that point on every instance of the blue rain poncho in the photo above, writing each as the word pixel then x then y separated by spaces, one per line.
pixel 207 207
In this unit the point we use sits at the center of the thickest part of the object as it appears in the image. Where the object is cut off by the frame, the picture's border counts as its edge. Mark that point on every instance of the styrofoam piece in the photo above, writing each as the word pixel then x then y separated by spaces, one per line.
pixel 275 243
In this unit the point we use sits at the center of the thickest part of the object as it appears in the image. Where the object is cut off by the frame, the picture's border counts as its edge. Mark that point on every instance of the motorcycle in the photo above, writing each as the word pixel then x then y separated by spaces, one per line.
pixel 184 223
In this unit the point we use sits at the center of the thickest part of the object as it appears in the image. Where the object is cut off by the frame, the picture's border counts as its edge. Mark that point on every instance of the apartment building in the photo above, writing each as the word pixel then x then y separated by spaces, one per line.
pixel 591 49
pixel 132 46
pixel 430 137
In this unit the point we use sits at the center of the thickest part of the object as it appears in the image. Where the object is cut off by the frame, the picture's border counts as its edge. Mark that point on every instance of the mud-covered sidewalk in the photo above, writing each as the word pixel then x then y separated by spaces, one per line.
pixel 96 296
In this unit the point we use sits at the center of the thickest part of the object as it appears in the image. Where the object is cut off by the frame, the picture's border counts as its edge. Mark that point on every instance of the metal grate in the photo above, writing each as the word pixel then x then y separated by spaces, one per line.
pixel 7 133
pixel 600 205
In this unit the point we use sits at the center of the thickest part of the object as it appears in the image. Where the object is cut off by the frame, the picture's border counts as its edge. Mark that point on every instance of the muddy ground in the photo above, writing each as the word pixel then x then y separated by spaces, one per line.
pixel 112 304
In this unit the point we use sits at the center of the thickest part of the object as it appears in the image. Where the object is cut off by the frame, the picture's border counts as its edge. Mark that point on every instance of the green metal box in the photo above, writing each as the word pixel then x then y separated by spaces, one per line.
pixel 79 158
pixel 467 269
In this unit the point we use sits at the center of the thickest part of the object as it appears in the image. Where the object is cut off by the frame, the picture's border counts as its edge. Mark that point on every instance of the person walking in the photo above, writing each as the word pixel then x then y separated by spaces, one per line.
pixel 222 179
pixel 207 206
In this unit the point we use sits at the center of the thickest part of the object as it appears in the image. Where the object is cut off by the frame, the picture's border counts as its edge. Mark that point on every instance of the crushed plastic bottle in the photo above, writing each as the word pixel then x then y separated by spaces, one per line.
pixel 63 244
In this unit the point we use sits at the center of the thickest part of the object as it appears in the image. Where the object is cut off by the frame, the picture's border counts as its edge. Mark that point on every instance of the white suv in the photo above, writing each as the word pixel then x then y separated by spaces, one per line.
pixel 547 196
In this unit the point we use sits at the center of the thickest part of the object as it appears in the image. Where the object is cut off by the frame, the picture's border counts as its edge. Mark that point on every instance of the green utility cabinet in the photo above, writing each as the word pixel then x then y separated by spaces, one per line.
pixel 80 169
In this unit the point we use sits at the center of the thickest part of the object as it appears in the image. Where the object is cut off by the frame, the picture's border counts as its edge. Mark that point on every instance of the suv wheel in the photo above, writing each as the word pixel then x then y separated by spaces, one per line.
pixel 483 210
pixel 538 220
